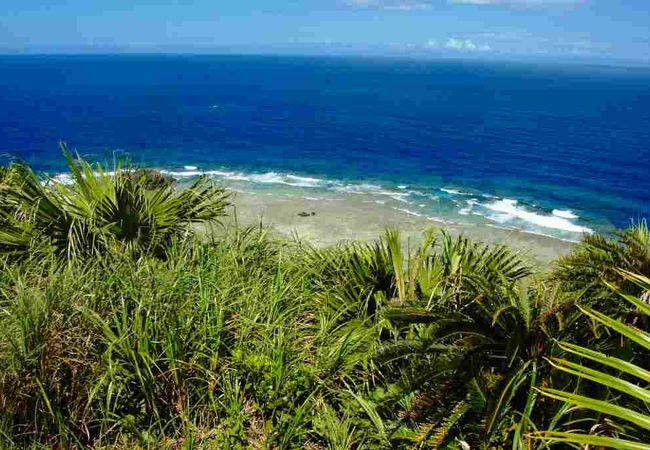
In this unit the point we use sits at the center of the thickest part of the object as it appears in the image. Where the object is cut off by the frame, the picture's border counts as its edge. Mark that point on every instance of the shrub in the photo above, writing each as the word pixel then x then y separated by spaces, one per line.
pixel 101 210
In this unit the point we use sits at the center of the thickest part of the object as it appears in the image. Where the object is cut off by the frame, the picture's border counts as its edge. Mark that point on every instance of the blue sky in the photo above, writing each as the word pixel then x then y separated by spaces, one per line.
pixel 601 29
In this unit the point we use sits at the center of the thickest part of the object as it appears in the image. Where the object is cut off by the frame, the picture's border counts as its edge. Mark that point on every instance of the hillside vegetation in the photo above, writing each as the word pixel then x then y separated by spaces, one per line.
pixel 121 328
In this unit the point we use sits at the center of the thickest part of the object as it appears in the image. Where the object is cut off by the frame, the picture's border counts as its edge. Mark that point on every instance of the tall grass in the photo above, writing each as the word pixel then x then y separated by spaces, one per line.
pixel 244 341
pixel 219 343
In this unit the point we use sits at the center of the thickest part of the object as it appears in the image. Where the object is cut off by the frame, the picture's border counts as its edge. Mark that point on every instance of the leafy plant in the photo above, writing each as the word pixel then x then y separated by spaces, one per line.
pixel 625 408
pixel 598 258
pixel 474 342
pixel 102 210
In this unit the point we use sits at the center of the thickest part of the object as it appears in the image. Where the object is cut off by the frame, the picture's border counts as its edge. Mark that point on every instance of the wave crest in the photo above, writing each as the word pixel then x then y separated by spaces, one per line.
pixel 508 209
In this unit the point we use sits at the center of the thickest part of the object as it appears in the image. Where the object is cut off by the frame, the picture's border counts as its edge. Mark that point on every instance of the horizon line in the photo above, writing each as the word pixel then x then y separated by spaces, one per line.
pixel 568 60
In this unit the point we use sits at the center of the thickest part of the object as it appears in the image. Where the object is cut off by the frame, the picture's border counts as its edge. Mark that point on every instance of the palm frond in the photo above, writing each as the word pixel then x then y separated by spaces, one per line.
pixel 628 411
pixel 101 210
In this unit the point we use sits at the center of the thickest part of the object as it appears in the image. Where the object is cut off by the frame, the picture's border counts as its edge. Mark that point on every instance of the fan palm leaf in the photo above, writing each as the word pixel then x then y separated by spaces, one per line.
pixel 100 210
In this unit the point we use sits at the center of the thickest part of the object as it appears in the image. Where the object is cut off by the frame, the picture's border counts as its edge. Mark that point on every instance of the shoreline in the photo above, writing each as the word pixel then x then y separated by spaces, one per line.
pixel 450 207
pixel 326 221
pixel 308 211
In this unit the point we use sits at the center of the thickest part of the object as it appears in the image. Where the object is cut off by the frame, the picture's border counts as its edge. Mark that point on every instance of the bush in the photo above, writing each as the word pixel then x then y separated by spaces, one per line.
pixel 101 211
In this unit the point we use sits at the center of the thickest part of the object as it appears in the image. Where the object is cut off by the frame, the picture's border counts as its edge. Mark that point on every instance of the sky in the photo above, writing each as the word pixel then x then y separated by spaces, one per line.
pixel 565 29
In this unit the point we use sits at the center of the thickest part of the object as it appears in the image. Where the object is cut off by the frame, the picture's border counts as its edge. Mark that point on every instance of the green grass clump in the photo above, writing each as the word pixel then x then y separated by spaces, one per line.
pixel 222 344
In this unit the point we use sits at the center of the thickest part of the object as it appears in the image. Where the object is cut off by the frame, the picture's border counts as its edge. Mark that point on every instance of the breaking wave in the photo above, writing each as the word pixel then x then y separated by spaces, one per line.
pixel 509 211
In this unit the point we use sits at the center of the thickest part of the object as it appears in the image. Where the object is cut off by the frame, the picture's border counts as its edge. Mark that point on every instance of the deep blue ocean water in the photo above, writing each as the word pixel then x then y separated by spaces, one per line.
pixel 554 149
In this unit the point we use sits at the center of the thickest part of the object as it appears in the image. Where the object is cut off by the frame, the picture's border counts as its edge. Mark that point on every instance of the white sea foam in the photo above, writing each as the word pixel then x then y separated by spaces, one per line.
pixel 564 213
pixel 418 193
pixel 363 188
pixel 409 212
pixel 66 178
pixel 278 178
pixel 181 174
pixel 400 197
pixel 299 181
pixel 63 178
pixel 373 189
pixel 263 178
pixel 453 191
pixel 467 210
pixel 402 186
pixel 508 209
pixel 295 180
pixel 190 167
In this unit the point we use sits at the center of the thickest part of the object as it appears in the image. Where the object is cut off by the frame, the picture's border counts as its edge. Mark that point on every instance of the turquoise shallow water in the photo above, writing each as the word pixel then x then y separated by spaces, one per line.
pixel 556 150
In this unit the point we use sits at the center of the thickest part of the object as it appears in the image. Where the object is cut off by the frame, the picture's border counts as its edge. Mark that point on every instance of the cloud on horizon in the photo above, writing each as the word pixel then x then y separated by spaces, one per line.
pixel 457 44
pixel 513 42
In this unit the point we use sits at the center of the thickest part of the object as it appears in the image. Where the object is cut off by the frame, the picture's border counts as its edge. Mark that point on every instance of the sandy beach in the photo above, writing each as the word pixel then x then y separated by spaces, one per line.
pixel 329 220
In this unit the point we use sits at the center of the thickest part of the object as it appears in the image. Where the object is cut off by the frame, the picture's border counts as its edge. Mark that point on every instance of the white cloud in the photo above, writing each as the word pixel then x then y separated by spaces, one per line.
pixel 528 43
pixel 460 44
pixel 455 44
pixel 466 45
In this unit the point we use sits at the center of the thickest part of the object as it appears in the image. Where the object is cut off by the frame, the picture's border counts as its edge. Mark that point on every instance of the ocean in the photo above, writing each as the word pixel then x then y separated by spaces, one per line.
pixel 558 150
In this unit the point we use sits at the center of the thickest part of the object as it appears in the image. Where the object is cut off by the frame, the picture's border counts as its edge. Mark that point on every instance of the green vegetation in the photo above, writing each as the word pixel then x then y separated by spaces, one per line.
pixel 632 407
pixel 122 327
pixel 130 211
